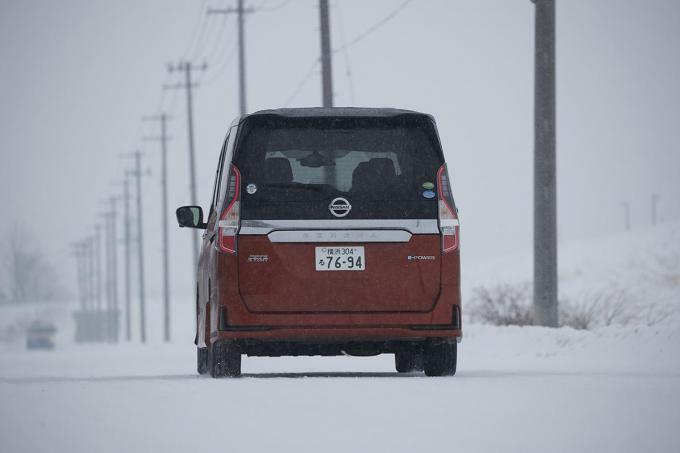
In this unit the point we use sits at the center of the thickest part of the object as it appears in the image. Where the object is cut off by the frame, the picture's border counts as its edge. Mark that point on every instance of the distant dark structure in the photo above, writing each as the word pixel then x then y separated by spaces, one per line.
pixel 39 335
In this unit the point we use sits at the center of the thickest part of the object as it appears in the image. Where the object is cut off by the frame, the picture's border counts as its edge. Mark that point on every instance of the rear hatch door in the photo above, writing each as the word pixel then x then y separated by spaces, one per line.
pixel 339 214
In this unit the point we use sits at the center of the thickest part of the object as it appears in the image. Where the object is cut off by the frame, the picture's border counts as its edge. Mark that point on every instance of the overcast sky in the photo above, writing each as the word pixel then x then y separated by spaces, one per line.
pixel 77 76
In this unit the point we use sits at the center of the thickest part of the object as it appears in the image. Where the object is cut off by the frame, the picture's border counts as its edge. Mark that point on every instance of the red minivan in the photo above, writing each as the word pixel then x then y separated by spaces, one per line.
pixel 331 231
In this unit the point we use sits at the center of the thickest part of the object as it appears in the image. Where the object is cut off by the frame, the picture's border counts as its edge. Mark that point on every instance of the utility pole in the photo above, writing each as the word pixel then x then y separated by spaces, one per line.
pixel 545 193
pixel 80 261
pixel 127 252
pixel 98 267
pixel 114 269
pixel 187 68
pixel 79 254
pixel 90 274
pixel 107 242
pixel 326 56
pixel 81 316
pixel 241 60
pixel 140 243
pixel 111 272
pixel 626 214
pixel 163 138
pixel 87 328
pixel 655 199
pixel 91 316
pixel 240 12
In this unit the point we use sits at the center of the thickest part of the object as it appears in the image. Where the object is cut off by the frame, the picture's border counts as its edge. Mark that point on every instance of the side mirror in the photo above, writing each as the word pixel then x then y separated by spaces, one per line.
pixel 190 217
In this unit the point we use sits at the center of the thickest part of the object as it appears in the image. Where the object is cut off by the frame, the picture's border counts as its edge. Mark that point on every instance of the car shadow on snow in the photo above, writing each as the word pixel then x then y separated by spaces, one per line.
pixel 151 378
pixel 331 374
pixel 467 374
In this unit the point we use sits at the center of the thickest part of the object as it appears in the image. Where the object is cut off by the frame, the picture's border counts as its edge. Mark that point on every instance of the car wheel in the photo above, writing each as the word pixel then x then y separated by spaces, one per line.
pixel 408 361
pixel 224 360
pixel 202 360
pixel 440 359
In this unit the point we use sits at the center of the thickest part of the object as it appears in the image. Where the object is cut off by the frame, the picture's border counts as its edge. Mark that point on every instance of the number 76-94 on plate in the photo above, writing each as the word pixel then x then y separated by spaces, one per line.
pixel 340 258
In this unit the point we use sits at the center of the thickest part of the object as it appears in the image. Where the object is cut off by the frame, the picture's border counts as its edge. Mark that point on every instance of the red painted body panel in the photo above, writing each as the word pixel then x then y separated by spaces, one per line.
pixel 288 281
pixel 302 324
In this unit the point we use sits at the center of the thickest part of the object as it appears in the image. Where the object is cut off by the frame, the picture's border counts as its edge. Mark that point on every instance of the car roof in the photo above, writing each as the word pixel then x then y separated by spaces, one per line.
pixel 306 112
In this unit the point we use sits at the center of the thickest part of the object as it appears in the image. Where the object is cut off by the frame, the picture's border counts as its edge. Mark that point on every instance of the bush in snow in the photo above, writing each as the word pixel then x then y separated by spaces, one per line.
pixel 602 308
pixel 507 304
pixel 577 316
pixel 503 304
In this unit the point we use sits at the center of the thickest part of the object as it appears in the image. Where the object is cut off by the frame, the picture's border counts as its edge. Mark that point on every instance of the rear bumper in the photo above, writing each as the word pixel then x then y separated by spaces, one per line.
pixel 326 334
pixel 334 347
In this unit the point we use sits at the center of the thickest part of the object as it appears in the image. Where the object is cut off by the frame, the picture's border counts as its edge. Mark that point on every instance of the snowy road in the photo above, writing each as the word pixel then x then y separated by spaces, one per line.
pixel 518 389
pixel 614 389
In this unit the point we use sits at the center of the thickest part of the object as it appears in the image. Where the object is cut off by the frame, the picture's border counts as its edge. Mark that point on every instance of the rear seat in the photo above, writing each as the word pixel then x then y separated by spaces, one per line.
pixel 374 177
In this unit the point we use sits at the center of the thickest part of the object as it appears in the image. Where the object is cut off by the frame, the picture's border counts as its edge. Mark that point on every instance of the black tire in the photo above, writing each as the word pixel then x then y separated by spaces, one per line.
pixel 440 359
pixel 408 361
pixel 202 360
pixel 224 360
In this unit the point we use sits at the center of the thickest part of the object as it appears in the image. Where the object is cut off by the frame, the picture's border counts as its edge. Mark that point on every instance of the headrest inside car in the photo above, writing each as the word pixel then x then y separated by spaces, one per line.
pixel 277 170
pixel 384 168
pixel 372 176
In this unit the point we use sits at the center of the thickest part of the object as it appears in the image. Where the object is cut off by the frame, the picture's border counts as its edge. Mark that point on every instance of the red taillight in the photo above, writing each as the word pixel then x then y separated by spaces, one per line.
pixel 227 227
pixel 448 217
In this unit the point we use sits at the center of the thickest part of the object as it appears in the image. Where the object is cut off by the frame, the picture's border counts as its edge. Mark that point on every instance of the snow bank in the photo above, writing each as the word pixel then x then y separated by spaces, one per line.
pixel 518 389
pixel 642 267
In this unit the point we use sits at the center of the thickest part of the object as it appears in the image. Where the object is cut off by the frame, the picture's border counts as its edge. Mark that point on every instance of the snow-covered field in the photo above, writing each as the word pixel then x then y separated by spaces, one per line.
pixel 614 388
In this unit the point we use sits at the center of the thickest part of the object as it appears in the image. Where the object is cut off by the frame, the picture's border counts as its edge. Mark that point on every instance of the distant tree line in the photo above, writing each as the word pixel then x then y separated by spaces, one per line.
pixel 27 276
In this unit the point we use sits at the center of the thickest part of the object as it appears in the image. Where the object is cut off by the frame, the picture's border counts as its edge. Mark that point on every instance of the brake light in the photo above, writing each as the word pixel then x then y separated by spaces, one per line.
pixel 449 225
pixel 227 227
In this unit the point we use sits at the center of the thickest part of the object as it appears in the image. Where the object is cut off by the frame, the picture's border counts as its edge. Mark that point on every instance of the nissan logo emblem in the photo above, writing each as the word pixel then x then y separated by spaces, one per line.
pixel 340 207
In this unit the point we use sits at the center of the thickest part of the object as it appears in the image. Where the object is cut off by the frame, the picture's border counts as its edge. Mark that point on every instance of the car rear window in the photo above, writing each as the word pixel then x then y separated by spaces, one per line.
pixel 292 168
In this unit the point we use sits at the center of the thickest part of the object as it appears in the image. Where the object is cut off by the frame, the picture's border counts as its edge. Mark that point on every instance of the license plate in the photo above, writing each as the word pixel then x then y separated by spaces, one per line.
pixel 340 259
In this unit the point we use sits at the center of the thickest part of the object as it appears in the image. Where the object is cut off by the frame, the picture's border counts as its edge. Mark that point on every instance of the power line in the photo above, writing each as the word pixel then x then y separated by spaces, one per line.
pixel 281 5
pixel 212 39
pixel 240 12
pixel 373 28
pixel 345 52
pixel 198 31
pixel 302 83
pixel 188 86
pixel 222 67
pixel 217 46
pixel 90 251
pixel 197 36
pixel 370 30
pixel 226 50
